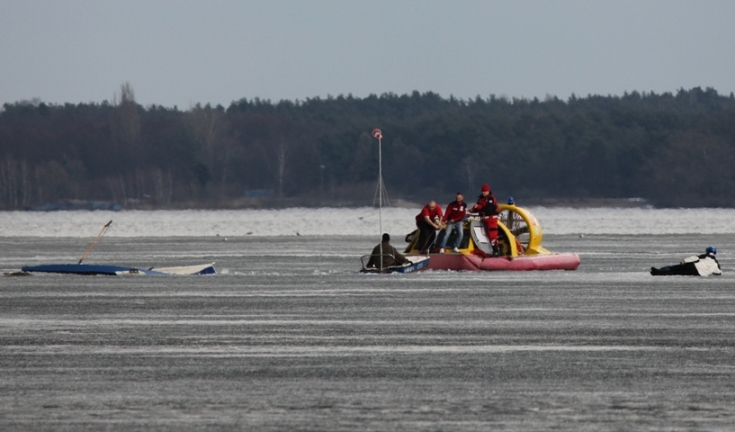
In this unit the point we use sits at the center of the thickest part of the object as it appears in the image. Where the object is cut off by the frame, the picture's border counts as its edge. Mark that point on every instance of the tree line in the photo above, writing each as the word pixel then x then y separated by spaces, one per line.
pixel 672 149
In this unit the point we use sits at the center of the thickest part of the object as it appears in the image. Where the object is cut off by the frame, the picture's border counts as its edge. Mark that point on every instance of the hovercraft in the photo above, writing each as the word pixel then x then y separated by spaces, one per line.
pixel 519 246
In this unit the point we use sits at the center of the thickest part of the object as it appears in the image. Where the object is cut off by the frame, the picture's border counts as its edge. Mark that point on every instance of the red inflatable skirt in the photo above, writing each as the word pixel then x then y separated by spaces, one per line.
pixel 562 261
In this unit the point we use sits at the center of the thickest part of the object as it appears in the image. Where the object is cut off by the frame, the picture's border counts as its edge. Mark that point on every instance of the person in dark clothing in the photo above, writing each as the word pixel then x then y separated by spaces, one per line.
pixel 428 222
pixel 390 256
pixel 697 265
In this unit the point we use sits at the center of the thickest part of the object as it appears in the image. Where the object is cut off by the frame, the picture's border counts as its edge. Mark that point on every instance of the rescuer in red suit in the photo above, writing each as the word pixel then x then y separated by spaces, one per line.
pixel 487 208
pixel 428 222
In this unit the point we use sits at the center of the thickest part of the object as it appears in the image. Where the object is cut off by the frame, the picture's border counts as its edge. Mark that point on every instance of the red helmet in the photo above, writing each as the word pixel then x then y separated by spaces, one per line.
pixel 485 188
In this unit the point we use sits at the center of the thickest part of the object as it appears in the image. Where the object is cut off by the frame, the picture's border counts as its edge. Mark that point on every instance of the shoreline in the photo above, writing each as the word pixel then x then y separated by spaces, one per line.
pixel 287 203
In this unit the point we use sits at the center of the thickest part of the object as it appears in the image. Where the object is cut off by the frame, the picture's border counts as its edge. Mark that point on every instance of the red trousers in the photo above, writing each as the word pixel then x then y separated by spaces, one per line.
pixel 491 228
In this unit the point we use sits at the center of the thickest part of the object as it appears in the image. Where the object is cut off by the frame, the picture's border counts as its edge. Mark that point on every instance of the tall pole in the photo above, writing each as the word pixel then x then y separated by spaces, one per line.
pixel 380 183
pixel 377 133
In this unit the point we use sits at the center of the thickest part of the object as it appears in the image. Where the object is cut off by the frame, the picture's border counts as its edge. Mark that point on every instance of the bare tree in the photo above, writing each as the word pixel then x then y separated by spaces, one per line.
pixel 7 182
pixel 208 126
pixel 275 142
pixel 281 151
pixel 211 129
pixel 126 121
pixel 469 169
pixel 277 161
pixel 53 182
pixel 25 184
pixel 117 188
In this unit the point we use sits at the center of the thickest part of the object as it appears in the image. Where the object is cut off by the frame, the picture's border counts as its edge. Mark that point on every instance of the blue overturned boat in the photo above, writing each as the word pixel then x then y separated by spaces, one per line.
pixel 113 270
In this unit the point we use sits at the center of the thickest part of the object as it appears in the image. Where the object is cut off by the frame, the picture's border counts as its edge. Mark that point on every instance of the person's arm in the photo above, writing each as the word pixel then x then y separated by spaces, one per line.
pixel 426 215
pixel 496 210
pixel 463 212
pixel 374 256
pixel 431 222
pixel 427 218
pixel 400 259
pixel 439 213
pixel 691 259
pixel 445 218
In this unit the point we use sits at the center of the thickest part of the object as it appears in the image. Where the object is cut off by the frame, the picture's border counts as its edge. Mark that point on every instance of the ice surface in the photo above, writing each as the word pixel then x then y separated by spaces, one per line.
pixel 289 336
pixel 346 222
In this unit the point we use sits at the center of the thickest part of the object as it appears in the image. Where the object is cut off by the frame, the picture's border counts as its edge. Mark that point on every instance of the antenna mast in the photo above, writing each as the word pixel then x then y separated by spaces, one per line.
pixel 380 191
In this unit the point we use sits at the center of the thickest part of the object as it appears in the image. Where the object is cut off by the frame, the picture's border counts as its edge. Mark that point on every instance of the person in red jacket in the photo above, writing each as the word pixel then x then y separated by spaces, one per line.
pixel 456 211
pixel 428 222
pixel 487 208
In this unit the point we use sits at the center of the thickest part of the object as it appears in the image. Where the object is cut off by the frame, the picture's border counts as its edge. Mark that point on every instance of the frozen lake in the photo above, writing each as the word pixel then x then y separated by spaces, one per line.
pixel 289 337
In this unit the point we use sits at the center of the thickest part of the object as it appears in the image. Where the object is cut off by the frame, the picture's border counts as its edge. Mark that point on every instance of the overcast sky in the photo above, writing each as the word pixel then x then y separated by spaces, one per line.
pixel 177 52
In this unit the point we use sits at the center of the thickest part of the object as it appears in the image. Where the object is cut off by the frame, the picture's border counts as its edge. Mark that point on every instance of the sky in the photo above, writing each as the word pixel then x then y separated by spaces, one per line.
pixel 184 52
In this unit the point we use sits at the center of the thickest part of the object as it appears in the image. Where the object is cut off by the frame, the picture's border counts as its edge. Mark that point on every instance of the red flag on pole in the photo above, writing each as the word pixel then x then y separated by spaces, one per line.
pixel 377 133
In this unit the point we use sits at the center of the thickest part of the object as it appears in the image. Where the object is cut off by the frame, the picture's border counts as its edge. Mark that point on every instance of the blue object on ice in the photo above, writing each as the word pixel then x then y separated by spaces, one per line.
pixel 110 270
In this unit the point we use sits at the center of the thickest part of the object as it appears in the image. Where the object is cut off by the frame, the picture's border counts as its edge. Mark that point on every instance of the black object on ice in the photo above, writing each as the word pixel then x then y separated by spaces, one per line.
pixel 687 269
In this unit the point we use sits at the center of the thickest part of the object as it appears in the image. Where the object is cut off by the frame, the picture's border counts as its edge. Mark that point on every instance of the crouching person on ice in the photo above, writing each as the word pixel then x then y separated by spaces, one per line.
pixel 701 265
pixel 388 256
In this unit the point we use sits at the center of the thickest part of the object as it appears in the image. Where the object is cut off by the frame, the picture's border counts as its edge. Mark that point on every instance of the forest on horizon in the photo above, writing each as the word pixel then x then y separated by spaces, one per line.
pixel 671 149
